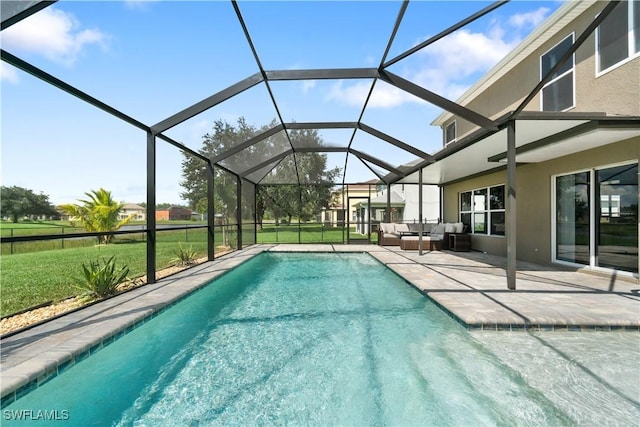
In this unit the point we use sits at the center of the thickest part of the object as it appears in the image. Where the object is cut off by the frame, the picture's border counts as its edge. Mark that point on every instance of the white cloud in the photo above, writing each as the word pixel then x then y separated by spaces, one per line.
pixel 54 34
pixel 307 85
pixel 383 96
pixel 529 19
pixel 8 73
pixel 445 67
pixel 449 66
pixel 351 95
pixel 450 63
pixel 387 96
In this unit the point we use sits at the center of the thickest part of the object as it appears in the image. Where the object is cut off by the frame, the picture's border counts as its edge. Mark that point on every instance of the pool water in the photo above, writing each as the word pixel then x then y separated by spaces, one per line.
pixel 303 339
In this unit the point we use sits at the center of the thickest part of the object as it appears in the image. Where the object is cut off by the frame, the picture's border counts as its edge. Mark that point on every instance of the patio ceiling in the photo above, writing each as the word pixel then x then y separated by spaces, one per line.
pixel 353 138
pixel 539 137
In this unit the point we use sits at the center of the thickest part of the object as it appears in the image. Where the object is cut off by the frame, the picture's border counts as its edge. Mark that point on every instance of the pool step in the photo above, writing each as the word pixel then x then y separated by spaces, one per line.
pixel 574 380
pixel 474 386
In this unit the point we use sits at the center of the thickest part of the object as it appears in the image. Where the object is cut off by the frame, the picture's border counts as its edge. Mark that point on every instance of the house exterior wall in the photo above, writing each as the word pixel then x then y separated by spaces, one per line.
pixel 609 92
pixel 341 198
pixel 140 215
pixel 410 210
pixel 173 214
pixel 357 190
pixel 162 215
pixel 534 198
pixel 430 202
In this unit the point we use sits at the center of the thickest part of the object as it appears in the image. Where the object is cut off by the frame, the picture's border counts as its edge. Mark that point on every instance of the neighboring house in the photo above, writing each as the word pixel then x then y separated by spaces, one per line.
pixel 342 209
pixel 577 146
pixel 411 196
pixel 197 216
pixel 128 209
pixel 404 205
pixel 174 213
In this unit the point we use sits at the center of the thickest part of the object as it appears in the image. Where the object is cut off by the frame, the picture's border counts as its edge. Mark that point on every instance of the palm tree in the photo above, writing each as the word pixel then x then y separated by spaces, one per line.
pixel 98 214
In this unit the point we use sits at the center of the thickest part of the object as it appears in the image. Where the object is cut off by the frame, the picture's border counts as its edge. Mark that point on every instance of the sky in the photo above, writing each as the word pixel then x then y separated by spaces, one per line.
pixel 151 59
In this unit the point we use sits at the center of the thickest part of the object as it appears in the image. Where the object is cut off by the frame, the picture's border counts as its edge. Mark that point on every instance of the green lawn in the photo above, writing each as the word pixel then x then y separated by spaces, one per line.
pixel 62 227
pixel 8 229
pixel 309 233
pixel 32 278
pixel 38 272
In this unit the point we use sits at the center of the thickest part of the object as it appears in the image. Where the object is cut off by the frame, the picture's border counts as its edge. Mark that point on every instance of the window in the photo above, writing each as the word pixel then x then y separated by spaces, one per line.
pixel 496 206
pixel 557 94
pixel 450 133
pixel 482 210
pixel 618 36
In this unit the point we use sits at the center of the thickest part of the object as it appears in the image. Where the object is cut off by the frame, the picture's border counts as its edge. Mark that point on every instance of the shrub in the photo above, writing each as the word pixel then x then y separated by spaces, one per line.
pixel 184 257
pixel 101 279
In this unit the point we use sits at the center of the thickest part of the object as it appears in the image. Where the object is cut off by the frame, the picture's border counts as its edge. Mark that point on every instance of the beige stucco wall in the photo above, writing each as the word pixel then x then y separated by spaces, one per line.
pixel 615 92
pixel 533 198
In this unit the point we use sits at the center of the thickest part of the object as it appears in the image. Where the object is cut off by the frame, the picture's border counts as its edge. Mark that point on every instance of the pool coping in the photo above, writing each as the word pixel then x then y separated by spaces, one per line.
pixel 50 348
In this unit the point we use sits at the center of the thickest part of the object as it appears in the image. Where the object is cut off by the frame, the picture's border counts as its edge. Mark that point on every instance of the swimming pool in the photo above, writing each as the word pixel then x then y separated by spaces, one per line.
pixel 320 339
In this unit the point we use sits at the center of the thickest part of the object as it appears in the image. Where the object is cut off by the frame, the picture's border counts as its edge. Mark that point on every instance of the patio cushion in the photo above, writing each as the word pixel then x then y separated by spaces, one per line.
pixel 438 229
pixel 424 238
pixel 402 227
pixel 428 243
pixel 459 227
pixel 387 227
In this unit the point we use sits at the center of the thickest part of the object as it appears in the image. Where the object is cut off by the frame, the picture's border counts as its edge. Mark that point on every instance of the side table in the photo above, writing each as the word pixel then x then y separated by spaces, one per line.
pixel 460 242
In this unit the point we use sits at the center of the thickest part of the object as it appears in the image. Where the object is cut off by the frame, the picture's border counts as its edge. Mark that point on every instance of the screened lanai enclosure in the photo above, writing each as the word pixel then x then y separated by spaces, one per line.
pixel 279 114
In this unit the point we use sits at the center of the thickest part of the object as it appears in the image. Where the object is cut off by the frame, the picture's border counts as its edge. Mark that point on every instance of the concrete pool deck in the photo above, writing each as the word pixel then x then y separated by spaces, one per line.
pixel 471 286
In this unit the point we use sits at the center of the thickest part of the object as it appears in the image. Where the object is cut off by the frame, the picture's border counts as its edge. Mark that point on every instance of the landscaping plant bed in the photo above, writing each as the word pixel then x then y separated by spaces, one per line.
pixel 42 313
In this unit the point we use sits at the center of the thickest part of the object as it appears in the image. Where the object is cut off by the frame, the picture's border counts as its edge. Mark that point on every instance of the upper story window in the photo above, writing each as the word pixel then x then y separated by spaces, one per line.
pixel 558 93
pixel 618 36
pixel 450 133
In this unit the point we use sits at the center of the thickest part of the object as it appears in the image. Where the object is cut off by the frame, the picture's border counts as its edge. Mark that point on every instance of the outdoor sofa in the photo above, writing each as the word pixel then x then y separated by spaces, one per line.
pixel 436 237
pixel 389 233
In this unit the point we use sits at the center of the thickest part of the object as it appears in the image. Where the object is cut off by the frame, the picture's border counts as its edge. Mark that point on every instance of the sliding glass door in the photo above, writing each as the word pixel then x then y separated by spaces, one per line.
pixel 596 218
pixel 572 218
pixel 617 225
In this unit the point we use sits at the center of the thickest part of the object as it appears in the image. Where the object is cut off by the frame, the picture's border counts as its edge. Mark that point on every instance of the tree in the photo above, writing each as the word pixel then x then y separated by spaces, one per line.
pixel 279 200
pixel 194 170
pixel 310 170
pixel 16 202
pixel 99 213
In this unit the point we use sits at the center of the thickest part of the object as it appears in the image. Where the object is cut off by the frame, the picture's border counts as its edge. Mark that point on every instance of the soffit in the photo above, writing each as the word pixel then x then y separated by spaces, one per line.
pixel 536 141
